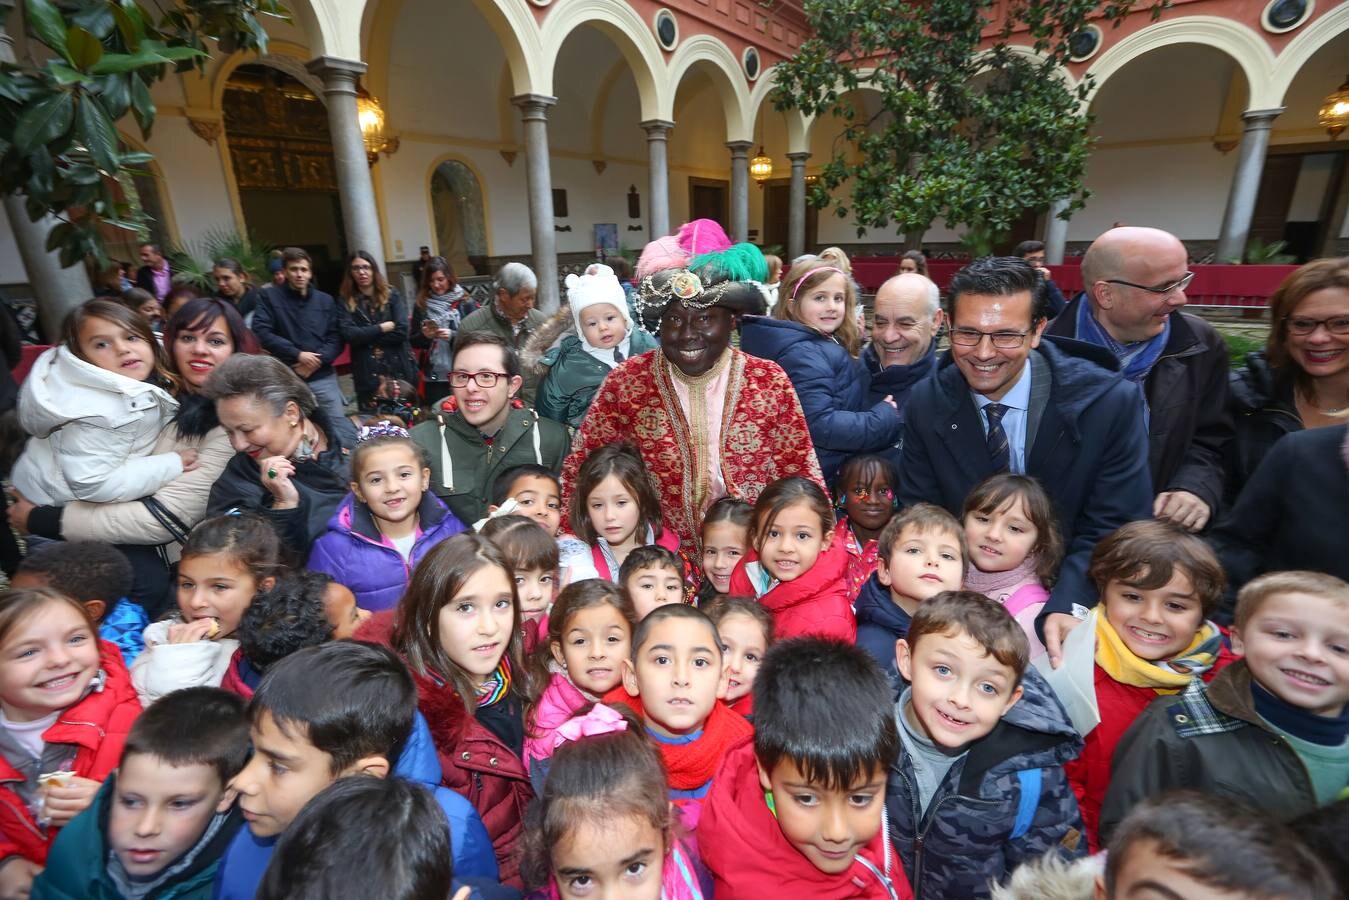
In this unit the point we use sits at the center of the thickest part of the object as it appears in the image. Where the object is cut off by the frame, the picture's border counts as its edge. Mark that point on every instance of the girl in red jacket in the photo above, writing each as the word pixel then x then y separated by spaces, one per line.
pixel 66 705
pixel 604 827
pixel 458 628
pixel 1158 584
pixel 797 568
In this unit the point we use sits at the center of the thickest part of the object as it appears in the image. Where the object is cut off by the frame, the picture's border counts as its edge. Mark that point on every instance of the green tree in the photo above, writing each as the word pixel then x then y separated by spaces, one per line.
pixel 98 60
pixel 970 128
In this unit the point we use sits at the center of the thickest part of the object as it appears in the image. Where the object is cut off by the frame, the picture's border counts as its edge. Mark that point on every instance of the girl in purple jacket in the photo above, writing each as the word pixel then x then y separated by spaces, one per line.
pixel 388 522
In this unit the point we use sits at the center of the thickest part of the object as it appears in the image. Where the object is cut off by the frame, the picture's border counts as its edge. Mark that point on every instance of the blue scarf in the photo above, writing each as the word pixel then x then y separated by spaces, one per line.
pixel 1137 359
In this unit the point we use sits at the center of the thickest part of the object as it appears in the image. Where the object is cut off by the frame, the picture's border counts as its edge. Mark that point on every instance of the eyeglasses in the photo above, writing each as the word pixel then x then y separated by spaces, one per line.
pixel 1003 340
pixel 484 379
pixel 861 493
pixel 1302 326
pixel 1162 291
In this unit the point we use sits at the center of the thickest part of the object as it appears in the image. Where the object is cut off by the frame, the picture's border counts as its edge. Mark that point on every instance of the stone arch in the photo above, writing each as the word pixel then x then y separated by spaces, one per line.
pixel 1303 47
pixel 628 31
pixel 715 58
pixel 283 55
pixel 1247 48
pixel 798 124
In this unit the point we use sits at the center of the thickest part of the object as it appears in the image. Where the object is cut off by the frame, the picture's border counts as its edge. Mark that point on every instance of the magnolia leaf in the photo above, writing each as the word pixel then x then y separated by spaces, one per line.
pixel 97 133
pixel 82 48
pixel 44 122
pixel 47 23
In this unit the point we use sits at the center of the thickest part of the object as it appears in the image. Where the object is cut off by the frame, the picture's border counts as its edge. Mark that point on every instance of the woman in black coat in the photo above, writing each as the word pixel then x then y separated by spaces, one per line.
pixel 374 323
pixel 289 463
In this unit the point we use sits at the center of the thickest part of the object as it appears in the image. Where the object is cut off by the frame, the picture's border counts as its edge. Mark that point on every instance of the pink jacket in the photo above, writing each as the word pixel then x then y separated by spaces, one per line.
pixel 558 703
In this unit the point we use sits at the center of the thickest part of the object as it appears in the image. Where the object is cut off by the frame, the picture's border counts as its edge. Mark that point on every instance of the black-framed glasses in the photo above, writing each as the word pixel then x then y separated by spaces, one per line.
pixel 1303 326
pixel 1003 340
pixel 1165 289
pixel 484 379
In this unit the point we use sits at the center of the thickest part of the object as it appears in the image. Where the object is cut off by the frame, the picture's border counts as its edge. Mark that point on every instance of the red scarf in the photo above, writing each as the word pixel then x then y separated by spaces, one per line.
pixel 690 766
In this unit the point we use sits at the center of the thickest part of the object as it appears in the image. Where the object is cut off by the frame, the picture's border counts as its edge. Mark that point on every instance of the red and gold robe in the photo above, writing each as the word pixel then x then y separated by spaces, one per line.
pixel 763 435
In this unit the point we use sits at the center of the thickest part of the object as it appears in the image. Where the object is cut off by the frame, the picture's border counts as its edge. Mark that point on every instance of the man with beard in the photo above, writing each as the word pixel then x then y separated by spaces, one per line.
pixel 709 420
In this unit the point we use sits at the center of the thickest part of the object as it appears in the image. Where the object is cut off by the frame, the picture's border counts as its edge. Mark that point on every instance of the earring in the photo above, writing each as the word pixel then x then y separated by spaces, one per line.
pixel 294 424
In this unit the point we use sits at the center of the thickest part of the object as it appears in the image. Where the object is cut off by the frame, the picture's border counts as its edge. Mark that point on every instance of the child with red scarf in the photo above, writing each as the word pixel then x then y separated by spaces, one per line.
pixel 802 804
pixel 673 680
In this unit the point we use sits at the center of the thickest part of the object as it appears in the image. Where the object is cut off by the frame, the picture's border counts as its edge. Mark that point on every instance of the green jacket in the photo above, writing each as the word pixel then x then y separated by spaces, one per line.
pixel 464 466
pixel 77 866
pixel 574 376
pixel 1207 738
pixel 488 319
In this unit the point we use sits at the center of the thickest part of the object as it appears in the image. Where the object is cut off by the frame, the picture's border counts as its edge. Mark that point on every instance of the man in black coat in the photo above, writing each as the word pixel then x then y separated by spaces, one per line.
pixel 903 348
pixel 298 324
pixel 1135 282
pixel 1004 399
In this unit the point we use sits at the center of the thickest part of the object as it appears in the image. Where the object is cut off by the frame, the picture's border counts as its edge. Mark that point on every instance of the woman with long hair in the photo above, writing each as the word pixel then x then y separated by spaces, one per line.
pixel 374 322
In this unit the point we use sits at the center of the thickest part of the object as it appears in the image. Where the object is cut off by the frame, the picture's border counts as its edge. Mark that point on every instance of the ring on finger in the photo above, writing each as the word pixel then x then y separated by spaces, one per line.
pixel 271 473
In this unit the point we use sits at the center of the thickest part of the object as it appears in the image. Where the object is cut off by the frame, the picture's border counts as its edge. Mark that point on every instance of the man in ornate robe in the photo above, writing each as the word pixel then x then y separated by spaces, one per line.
pixel 709 420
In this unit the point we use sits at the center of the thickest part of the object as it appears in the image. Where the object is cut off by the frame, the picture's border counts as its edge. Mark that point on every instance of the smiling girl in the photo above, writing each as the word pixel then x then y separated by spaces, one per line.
pixel 614 510
pixel 95 406
pixel 797 567
pixel 458 629
pixel 66 705
pixel 813 335
pixel 226 562
pixel 388 522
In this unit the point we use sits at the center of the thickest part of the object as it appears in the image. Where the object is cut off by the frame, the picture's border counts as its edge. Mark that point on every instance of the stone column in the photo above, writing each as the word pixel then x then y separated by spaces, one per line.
pixel 56 290
pixel 1245 183
pixel 1056 233
pixel 539 178
pixel 658 193
pixel 739 224
pixel 796 208
pixel 354 187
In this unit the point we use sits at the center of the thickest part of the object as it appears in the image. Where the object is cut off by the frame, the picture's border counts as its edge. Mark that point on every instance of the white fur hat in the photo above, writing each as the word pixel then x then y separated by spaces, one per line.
pixel 598 285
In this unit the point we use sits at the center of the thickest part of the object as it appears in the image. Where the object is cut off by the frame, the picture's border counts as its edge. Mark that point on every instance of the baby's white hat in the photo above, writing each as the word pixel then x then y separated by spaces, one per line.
pixel 599 284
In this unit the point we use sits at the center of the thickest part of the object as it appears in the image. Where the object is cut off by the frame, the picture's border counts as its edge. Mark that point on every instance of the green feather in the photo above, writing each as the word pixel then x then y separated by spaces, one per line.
pixel 739 262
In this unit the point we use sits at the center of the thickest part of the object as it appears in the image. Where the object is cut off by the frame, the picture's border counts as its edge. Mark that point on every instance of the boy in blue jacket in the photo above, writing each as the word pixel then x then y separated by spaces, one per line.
pixel 978 786
pixel 159 825
pixel 323 713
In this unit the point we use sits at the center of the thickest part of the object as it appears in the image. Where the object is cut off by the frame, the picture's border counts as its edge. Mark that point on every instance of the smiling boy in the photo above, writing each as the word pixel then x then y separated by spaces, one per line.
pixel 160 824
pixel 803 803
pixel 978 786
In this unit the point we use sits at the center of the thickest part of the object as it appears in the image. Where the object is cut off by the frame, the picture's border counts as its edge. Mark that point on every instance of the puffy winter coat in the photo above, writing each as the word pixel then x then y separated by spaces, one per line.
pixel 1088 446
pixel 558 703
pixel 473 761
pixel 1263 410
pixel 833 388
pixel 322 482
pixel 570 376
pixel 1005 802
pixel 162 668
pixel 93 433
pixel 96 727
pixel 816 603
pixel 374 351
pixel 880 624
pixel 77 868
pixel 356 554
pixel 743 846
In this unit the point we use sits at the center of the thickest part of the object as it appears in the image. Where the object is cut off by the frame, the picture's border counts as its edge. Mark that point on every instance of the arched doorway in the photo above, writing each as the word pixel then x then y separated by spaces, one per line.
pixel 283 166
pixel 460 226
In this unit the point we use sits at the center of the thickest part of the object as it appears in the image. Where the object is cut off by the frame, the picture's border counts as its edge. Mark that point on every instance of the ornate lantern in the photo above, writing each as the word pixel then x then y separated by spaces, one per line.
pixel 1334 113
pixel 761 167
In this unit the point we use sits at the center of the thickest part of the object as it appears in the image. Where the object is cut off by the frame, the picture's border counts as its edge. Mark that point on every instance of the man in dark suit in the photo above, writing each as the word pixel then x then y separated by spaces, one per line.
pixel 1006 399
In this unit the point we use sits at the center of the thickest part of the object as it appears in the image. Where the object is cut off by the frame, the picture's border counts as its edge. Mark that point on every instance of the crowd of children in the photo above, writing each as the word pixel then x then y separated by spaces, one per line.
pixel 837 698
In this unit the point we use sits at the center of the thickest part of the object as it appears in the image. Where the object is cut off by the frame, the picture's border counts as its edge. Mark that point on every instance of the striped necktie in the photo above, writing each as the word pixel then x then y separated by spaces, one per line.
pixel 997 437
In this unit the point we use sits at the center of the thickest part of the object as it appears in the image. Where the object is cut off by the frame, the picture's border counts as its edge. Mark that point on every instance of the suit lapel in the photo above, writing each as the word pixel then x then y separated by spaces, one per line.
pixel 962 431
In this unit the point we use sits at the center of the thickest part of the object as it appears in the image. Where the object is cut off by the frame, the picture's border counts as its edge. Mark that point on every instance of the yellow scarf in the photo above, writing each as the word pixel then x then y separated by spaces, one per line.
pixel 1165 676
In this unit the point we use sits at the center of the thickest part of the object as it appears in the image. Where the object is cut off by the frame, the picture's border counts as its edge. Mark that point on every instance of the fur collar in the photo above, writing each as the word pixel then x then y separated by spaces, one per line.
pixel 445 713
pixel 195 417
pixel 544 338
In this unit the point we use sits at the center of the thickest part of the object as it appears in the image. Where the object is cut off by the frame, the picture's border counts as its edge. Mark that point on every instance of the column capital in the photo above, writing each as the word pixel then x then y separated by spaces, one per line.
pixel 656 129
pixel 740 149
pixel 1261 118
pixel 534 106
pixel 800 156
pixel 337 74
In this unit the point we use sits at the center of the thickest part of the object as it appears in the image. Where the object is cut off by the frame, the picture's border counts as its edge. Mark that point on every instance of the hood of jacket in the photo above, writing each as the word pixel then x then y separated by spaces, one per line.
pixel 769 338
pixel 892 379
pixel 546 337
pixel 445 714
pixel 61 388
pixel 740 840
pixel 1080 373
pixel 875 607
pixel 417 761
pixel 1034 734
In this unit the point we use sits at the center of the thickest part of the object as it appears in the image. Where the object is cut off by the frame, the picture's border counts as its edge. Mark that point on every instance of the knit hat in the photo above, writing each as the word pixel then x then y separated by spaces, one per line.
pixel 598 285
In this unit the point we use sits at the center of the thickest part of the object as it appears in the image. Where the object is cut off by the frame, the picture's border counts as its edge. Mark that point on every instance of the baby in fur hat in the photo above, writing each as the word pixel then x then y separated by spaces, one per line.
pixel 601 338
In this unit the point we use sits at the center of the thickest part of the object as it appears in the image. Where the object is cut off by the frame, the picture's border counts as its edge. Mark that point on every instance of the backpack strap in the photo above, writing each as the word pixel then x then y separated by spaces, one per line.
pixel 1030 781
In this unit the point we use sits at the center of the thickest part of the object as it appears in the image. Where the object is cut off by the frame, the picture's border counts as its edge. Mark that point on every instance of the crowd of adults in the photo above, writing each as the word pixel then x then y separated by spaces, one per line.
pixel 1121 404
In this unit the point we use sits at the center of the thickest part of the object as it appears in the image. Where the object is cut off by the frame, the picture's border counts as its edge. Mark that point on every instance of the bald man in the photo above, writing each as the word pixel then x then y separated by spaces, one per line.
pixel 903 347
pixel 1134 282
